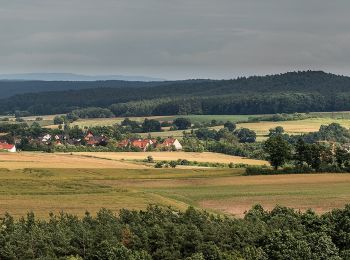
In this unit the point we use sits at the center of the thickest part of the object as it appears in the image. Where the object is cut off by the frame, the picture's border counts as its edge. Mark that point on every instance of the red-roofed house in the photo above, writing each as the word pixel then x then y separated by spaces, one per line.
pixel 123 143
pixel 143 144
pixel 8 147
pixel 172 142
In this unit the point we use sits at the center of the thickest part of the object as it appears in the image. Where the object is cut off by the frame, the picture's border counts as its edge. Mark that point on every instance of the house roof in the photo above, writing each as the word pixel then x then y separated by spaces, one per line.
pixel 123 143
pixel 6 146
pixel 140 143
pixel 169 141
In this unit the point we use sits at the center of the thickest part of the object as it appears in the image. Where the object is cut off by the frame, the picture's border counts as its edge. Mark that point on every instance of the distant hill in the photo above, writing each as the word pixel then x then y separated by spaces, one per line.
pixel 73 77
pixel 9 88
pixel 282 93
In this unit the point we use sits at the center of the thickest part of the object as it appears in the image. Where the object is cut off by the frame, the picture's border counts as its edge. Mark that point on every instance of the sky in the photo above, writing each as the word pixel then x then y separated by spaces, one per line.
pixel 177 39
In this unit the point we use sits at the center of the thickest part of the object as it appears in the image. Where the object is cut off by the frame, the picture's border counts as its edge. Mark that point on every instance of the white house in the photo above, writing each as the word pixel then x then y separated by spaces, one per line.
pixel 172 142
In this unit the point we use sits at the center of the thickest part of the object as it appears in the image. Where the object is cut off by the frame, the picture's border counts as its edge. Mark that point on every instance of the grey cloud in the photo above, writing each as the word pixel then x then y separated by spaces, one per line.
pixel 174 39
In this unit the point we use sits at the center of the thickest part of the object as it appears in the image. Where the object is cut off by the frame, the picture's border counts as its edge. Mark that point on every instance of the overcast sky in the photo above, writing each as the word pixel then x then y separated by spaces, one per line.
pixel 174 39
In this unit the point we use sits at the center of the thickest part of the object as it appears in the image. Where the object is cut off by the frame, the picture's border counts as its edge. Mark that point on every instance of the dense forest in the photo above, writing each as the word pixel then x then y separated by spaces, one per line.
pixel 284 93
pixel 159 233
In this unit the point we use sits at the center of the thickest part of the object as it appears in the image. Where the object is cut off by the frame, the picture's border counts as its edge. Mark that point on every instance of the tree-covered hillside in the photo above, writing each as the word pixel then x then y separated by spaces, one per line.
pixel 284 93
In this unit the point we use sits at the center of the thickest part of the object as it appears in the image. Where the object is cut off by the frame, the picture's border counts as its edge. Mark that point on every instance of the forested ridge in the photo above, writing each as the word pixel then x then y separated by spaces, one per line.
pixel 284 93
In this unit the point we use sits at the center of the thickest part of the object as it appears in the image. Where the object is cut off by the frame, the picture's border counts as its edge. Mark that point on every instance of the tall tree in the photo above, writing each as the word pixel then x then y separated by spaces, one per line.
pixel 278 150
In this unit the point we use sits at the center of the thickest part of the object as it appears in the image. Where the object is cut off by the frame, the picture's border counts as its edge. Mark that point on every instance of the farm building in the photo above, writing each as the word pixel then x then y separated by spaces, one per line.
pixel 92 140
pixel 7 147
pixel 143 144
pixel 172 143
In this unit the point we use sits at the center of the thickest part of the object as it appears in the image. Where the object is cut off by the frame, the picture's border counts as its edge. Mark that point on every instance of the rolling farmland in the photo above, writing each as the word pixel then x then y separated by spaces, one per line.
pixel 217 190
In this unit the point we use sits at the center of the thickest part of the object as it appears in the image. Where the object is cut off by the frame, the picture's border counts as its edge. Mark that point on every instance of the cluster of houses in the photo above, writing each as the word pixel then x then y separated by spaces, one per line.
pixel 91 140
pixel 145 144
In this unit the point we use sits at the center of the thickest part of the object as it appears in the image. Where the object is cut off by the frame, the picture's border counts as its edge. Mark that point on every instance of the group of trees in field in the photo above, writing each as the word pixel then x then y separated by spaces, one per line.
pixel 161 233
pixel 227 140
pixel 285 93
pixel 325 150
pixel 228 132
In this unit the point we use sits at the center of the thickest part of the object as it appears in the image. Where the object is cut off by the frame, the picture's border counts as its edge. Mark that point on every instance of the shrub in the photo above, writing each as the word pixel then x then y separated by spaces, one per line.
pixel 158 165
pixel 150 159
pixel 172 164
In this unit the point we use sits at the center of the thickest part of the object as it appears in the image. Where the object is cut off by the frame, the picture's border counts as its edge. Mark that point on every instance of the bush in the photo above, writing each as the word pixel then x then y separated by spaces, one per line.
pixel 264 170
pixel 158 165
pixel 172 164
pixel 150 159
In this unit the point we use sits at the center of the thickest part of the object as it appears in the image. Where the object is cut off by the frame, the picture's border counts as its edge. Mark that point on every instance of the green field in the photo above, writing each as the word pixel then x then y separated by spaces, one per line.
pixel 217 190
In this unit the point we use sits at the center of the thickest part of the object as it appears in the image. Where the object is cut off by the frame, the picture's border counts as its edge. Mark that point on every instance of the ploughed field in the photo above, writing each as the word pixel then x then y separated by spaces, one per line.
pixel 225 191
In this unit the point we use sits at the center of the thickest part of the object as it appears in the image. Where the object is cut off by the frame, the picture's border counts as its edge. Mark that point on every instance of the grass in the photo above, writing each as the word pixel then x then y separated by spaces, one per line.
pixel 224 191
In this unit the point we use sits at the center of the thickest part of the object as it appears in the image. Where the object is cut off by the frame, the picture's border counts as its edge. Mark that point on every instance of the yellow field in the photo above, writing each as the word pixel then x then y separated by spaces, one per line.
pixel 46 160
pixel 168 156
pixel 295 127
pixel 99 160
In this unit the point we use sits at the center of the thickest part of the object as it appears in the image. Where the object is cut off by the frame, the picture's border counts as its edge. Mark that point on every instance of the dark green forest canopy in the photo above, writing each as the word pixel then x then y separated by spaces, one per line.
pixel 161 233
pixel 284 93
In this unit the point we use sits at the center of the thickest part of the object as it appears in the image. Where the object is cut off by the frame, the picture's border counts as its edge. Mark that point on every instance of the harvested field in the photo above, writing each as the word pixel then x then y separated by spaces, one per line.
pixel 45 160
pixel 168 156
pixel 294 127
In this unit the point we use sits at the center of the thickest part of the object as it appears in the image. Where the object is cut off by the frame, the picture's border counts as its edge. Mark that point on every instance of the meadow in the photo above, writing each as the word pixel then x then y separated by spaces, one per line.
pixel 223 191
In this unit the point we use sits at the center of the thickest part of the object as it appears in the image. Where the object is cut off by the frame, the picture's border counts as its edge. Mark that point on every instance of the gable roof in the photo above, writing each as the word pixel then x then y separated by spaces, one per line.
pixel 169 141
pixel 6 146
pixel 140 143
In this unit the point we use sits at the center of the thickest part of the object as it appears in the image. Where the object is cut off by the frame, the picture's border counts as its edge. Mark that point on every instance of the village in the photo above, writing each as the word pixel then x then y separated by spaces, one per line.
pixel 91 140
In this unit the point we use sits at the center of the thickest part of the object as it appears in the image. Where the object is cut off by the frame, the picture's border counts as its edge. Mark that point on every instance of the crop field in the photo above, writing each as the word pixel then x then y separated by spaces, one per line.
pixel 295 127
pixel 262 128
pixel 224 191
pixel 102 160
pixel 168 156
pixel 45 160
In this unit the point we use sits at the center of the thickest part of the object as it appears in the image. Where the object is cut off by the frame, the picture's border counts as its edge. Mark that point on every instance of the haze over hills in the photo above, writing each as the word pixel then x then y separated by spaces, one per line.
pixel 73 77
pixel 282 93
